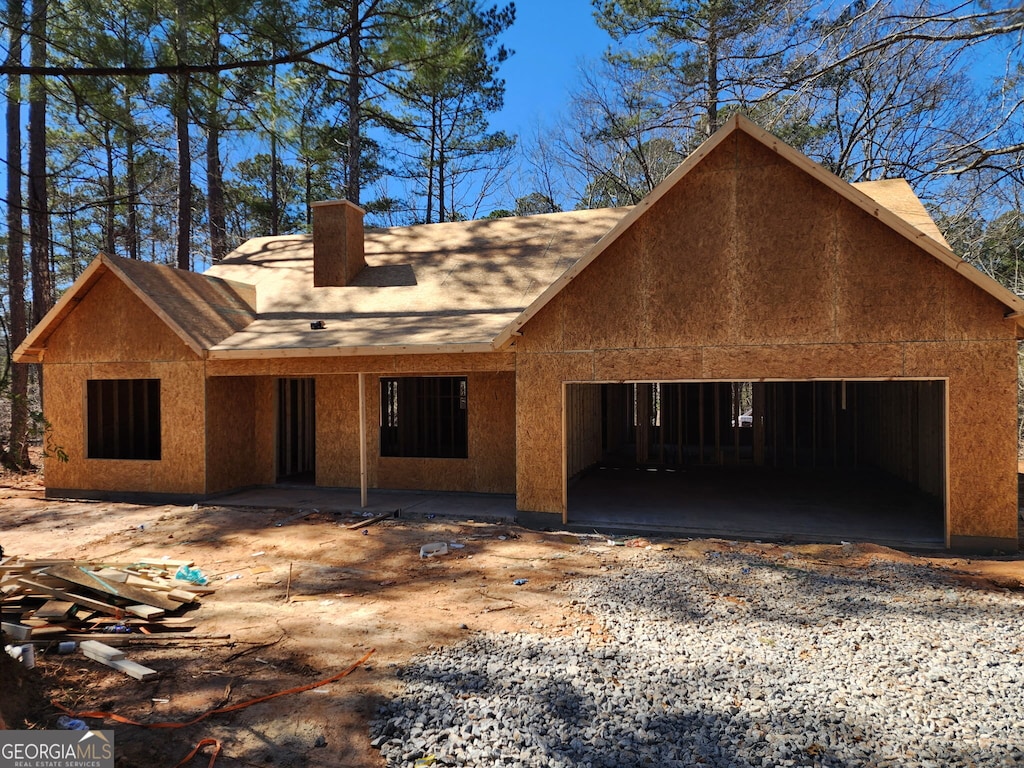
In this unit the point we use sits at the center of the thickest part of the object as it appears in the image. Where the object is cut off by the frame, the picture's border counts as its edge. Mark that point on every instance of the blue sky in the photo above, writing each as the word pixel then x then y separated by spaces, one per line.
pixel 549 38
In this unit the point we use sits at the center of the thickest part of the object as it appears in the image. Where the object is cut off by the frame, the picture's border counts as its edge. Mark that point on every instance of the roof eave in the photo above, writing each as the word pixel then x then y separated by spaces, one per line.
pixel 25 354
pixel 357 351
pixel 31 349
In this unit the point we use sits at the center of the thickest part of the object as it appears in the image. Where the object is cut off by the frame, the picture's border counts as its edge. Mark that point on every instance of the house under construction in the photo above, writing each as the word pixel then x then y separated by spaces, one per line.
pixel 756 336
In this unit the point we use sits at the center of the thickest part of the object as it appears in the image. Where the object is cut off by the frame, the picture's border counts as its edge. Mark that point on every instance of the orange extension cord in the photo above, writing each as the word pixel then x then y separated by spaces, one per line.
pixel 219 711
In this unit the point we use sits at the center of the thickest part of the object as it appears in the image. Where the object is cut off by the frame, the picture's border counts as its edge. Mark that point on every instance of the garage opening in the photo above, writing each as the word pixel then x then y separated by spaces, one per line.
pixel 801 460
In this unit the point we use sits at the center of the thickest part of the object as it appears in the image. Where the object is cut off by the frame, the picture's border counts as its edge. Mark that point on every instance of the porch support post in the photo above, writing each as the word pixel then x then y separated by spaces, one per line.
pixel 362 439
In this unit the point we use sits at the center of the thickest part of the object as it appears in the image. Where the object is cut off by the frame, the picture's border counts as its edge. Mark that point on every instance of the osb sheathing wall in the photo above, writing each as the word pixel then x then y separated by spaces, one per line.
pixel 490 467
pixel 749 268
pixel 337 429
pixel 582 428
pixel 239 432
pixel 122 339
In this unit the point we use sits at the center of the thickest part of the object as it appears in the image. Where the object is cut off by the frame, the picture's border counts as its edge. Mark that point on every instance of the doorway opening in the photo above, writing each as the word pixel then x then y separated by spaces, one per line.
pixel 296 430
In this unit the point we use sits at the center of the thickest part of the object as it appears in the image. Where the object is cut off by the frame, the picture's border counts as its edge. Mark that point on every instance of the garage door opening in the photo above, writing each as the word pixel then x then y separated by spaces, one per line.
pixel 801 460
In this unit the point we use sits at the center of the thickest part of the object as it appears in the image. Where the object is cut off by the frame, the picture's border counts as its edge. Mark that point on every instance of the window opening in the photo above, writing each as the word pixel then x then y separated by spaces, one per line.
pixel 123 419
pixel 424 417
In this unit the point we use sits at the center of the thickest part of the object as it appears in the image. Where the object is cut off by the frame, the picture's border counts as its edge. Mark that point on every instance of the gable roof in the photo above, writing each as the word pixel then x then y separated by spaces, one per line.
pixel 450 287
pixel 909 219
pixel 201 310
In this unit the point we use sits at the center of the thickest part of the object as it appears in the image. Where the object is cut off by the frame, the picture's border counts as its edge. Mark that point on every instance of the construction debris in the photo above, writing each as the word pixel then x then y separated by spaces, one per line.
pixel 112 657
pixel 372 520
pixel 54 603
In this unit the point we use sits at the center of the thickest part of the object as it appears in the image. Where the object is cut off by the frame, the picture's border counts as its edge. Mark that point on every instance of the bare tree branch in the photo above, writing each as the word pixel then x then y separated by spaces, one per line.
pixel 180 69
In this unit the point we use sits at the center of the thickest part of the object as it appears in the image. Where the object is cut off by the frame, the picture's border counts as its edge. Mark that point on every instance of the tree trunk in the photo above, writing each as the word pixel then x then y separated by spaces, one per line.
pixel 16 455
pixel 711 101
pixel 214 169
pixel 352 97
pixel 275 194
pixel 184 242
pixel 215 192
pixel 109 209
pixel 38 214
pixel 307 172
pixel 441 211
pixel 73 243
pixel 133 196
pixel 184 256
pixel 431 154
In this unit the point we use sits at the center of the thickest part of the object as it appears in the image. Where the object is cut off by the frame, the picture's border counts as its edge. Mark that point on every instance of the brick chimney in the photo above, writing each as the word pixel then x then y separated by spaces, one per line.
pixel 337 243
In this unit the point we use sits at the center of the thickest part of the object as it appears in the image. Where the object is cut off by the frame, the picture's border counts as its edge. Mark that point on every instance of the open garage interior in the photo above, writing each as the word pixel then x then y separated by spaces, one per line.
pixel 798 460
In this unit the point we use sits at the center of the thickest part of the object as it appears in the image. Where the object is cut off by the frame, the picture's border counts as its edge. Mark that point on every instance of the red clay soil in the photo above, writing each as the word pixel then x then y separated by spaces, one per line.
pixel 299 602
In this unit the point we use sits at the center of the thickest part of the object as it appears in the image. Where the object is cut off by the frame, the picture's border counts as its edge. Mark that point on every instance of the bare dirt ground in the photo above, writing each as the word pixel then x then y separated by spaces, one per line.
pixel 350 592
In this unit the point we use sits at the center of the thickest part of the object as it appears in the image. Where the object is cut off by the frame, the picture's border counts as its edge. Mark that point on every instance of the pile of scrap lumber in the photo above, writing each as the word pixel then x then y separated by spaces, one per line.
pixel 53 601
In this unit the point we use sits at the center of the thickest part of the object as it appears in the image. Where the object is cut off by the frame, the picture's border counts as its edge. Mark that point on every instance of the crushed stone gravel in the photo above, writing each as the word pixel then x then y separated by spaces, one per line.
pixel 732 659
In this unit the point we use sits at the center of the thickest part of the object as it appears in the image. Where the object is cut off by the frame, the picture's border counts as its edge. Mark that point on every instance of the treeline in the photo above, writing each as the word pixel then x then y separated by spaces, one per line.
pixel 172 130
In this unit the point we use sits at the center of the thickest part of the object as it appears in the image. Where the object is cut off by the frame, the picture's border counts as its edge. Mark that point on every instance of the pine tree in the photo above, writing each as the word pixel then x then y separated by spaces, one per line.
pixel 445 102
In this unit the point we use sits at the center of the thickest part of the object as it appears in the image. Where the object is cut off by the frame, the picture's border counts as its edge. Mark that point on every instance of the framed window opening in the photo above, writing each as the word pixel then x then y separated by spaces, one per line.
pixel 424 417
pixel 123 419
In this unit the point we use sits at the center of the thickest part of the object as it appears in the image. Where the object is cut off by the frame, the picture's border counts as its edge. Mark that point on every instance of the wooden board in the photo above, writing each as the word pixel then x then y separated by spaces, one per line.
pixel 132 669
pixel 90 580
pixel 54 609
pixel 94 649
pixel 22 565
pixel 115 659
pixel 118 640
pixel 82 600
pixel 182 596
pixel 145 611
pixel 174 593
pixel 161 563
pixel 16 631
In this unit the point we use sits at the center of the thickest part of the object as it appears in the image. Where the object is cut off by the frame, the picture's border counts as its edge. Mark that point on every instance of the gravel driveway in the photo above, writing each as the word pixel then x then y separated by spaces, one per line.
pixel 731 659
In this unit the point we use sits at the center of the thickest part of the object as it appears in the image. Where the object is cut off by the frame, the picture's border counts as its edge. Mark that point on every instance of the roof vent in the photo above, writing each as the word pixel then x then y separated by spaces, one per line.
pixel 337 243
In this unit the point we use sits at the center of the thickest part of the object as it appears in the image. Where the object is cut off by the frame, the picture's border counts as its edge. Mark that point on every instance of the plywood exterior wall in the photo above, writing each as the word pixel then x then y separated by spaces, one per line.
pixel 246 457
pixel 113 335
pixel 218 419
pixel 750 269
pixel 490 467
pixel 337 433
pixel 582 428
pixel 239 433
